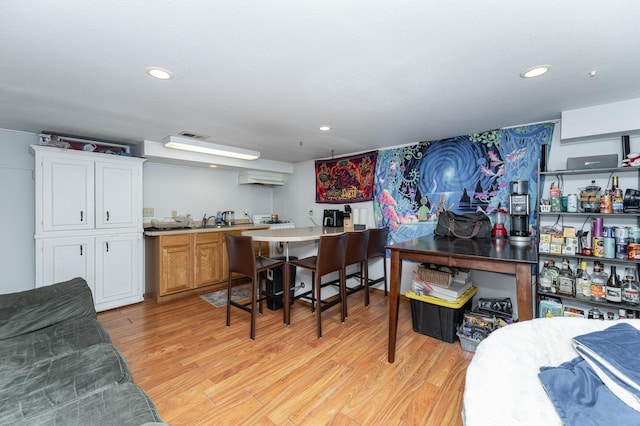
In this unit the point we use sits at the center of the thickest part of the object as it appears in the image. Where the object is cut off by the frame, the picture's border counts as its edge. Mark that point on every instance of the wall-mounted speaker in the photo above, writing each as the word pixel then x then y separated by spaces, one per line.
pixel 543 157
pixel 626 147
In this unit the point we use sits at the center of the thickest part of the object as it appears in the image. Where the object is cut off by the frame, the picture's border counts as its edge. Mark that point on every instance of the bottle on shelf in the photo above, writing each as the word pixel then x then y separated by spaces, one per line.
pixel 583 281
pixel 630 287
pixel 549 277
pixel 614 289
pixel 598 283
pixel 566 280
pixel 617 196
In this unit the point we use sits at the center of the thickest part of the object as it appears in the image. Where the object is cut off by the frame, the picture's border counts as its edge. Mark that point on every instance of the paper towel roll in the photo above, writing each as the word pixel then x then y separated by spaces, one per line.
pixel 362 216
pixel 356 215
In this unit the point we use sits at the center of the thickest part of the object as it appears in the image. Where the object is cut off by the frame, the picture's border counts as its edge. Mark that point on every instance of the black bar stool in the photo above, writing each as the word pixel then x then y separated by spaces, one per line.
pixel 356 253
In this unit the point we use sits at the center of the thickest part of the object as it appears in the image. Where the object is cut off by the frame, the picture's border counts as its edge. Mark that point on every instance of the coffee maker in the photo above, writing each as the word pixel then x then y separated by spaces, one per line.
pixel 519 212
pixel 333 218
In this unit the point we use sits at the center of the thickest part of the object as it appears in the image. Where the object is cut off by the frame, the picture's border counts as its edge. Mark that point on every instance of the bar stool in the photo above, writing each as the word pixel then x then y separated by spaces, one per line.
pixel 376 248
pixel 243 261
pixel 330 258
pixel 356 253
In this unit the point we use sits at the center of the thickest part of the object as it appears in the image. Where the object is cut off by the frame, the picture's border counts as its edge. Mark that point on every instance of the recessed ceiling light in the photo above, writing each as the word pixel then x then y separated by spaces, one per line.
pixel 159 73
pixel 213 166
pixel 325 128
pixel 536 71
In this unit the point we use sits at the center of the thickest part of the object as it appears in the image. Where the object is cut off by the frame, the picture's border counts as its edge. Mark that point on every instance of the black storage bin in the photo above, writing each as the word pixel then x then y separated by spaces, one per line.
pixel 439 318
pixel 275 285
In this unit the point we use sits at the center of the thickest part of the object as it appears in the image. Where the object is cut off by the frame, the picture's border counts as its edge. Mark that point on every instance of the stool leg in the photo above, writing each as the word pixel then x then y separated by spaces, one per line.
pixel 229 301
pixel 343 294
pixel 317 289
pixel 254 305
pixel 286 299
pixel 366 283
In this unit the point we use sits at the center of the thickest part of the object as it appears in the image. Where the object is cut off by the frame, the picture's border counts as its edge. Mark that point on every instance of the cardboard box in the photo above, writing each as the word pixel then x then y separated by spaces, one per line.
pixel 557 239
pixel 545 238
pixel 550 307
pixel 569 232
pixel 544 247
pixel 555 248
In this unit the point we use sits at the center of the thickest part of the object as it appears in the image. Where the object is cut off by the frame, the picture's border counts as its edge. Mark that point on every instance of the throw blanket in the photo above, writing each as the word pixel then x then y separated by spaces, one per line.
pixel 603 385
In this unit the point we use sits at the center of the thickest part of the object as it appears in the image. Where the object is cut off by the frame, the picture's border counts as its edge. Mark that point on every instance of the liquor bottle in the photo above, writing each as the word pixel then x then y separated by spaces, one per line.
pixel 546 277
pixel 584 280
pixel 566 280
pixel 598 283
pixel 617 197
pixel 614 289
pixel 630 287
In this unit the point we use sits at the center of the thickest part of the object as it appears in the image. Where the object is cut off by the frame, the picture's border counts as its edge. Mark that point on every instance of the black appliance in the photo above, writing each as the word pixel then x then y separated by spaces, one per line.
pixel 275 285
pixel 519 211
pixel 333 218
pixel 631 201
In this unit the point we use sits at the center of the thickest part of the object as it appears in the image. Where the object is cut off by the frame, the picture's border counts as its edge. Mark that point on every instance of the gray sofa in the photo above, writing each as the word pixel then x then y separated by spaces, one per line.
pixel 58 366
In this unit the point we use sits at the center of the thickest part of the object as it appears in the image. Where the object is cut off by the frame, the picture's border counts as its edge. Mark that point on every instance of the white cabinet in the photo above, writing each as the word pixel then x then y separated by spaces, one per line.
pixel 89 222
pixel 118 270
pixel 118 197
pixel 67 194
pixel 61 259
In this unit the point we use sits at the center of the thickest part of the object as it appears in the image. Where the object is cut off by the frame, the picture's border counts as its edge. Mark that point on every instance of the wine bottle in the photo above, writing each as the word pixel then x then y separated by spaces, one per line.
pixel 614 289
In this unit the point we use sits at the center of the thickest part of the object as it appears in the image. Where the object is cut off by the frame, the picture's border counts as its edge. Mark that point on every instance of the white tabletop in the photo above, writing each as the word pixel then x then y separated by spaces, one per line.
pixel 309 233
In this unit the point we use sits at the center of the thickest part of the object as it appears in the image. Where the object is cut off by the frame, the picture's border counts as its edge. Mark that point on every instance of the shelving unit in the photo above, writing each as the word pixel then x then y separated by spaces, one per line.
pixel 579 220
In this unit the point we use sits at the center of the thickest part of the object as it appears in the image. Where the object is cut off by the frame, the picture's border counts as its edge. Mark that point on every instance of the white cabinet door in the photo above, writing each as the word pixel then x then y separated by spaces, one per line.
pixel 118 195
pixel 118 270
pixel 67 194
pixel 61 259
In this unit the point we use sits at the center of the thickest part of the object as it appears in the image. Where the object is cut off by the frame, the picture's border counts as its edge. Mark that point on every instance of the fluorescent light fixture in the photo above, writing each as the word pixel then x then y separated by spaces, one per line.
pixel 536 71
pixel 159 73
pixel 193 145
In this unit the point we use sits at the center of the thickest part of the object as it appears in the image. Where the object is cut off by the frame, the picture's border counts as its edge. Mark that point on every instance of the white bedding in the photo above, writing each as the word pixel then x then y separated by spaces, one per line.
pixel 502 385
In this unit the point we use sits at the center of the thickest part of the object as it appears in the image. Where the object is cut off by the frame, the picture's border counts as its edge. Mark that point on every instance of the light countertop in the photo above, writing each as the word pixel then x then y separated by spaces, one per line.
pixel 178 231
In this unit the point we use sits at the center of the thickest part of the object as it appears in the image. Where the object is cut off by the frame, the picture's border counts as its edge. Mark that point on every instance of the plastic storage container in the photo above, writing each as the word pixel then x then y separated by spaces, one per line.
pixel 439 318
pixel 275 285
pixel 467 343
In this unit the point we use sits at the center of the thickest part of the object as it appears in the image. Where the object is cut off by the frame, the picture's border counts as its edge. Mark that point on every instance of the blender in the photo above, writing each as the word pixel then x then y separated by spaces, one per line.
pixel 500 216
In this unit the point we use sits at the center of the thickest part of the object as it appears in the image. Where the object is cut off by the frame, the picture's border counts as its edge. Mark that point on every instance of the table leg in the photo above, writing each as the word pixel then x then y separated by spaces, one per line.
pixel 524 291
pixel 394 301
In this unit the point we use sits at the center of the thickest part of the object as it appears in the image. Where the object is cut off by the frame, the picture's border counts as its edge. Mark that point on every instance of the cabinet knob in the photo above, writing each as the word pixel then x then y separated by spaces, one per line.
pixel 107 246
pixel 107 215
pixel 81 216
pixel 81 249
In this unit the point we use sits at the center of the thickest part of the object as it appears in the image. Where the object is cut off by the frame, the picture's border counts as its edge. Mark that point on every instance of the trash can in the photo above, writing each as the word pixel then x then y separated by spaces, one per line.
pixel 275 285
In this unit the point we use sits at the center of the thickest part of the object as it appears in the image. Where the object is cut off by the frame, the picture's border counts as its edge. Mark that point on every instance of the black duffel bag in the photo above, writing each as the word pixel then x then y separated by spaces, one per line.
pixel 470 225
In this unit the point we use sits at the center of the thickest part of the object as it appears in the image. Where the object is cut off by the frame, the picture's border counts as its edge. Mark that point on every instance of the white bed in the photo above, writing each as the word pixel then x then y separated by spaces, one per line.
pixel 502 385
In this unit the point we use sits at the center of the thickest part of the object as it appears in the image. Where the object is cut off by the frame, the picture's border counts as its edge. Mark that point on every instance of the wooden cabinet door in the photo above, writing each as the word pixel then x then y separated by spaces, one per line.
pixel 66 186
pixel 118 194
pixel 210 257
pixel 118 270
pixel 176 263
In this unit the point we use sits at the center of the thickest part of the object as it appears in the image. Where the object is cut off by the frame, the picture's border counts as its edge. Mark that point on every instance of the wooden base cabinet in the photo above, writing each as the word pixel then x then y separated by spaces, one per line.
pixel 182 264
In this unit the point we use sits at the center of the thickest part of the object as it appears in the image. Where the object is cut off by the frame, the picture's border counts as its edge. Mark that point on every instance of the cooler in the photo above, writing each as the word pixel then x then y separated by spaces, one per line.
pixel 439 318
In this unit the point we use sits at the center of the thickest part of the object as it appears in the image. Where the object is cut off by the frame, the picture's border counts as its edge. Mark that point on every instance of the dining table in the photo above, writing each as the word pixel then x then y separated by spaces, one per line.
pixel 289 235
pixel 487 254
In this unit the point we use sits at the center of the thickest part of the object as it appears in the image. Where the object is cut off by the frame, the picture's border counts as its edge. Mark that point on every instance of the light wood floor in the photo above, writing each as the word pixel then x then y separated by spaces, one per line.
pixel 199 372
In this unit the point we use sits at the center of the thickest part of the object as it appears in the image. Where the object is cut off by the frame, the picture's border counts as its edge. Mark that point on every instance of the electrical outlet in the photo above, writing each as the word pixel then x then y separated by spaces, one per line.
pixel 147 212
pixel 174 213
pixel 246 212
pixel 310 212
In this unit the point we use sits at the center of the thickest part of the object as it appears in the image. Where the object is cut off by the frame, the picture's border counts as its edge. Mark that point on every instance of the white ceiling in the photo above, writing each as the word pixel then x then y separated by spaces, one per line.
pixel 265 74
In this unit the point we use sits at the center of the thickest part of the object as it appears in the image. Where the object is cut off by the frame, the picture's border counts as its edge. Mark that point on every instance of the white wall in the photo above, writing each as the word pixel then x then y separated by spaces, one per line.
pixel 17 190
pixel 199 190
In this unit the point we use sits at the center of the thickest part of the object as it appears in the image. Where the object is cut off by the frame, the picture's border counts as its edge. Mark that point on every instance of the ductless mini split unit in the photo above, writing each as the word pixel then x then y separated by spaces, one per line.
pixel 252 177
